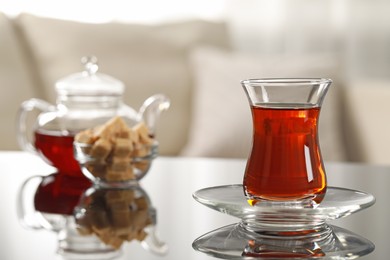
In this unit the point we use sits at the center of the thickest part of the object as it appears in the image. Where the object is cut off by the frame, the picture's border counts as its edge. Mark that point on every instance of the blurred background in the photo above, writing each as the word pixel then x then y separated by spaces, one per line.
pixel 358 30
pixel 219 43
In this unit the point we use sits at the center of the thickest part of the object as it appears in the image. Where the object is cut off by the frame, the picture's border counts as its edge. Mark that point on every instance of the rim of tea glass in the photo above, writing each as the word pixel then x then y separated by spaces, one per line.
pixel 283 81
pixel 313 95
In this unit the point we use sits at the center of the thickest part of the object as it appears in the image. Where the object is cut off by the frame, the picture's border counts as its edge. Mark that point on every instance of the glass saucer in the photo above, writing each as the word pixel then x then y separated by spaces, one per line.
pixel 274 220
pixel 234 242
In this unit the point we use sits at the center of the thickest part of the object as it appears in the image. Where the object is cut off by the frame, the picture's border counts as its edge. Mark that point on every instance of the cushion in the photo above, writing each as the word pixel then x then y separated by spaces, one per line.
pixel 221 123
pixel 149 59
pixel 16 82
pixel 367 125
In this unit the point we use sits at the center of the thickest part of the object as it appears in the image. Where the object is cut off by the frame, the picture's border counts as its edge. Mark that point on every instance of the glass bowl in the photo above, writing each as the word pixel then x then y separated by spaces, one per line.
pixel 115 170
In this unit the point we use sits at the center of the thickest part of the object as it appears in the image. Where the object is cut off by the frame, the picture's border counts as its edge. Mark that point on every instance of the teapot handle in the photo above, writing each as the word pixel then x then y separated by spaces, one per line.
pixel 27 215
pixel 151 110
pixel 26 107
pixel 153 243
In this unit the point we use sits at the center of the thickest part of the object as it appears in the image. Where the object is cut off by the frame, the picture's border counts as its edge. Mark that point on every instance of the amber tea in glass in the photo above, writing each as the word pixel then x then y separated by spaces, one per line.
pixel 285 166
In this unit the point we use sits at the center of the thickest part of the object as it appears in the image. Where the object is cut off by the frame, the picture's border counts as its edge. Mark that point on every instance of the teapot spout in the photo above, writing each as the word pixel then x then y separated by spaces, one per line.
pixel 151 109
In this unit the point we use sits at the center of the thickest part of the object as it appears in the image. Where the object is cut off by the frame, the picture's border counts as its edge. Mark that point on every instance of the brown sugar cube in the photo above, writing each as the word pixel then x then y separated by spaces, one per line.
pixel 122 147
pixel 119 206
pixel 83 221
pixel 120 219
pixel 84 137
pixel 134 137
pixel 141 203
pixel 99 218
pixel 84 231
pixel 128 174
pixel 114 175
pixel 97 169
pixel 107 236
pixel 115 242
pixel 123 232
pixel 148 222
pixel 141 235
pixel 120 163
pixel 142 166
pixel 129 133
pixel 143 133
pixel 100 132
pixel 111 128
pixel 125 133
pixel 103 233
pixel 119 214
pixel 113 196
pixel 139 218
pixel 128 195
pixel 86 149
pixel 130 235
pixel 101 149
pixel 141 150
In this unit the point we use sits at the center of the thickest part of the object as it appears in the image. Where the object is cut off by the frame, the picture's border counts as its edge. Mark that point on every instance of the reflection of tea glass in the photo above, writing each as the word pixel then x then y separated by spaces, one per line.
pixel 285 165
pixel 275 248
pixel 232 242
pixel 291 250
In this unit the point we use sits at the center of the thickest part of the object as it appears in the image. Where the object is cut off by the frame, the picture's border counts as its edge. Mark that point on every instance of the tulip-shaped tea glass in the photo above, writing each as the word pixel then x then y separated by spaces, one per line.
pixel 285 166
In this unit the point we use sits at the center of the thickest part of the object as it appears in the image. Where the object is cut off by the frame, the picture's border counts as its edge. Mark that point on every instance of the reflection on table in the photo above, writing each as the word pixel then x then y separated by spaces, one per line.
pixel 170 185
pixel 91 221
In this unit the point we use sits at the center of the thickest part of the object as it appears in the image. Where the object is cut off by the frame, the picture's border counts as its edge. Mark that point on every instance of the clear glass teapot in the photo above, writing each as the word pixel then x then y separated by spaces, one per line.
pixel 84 100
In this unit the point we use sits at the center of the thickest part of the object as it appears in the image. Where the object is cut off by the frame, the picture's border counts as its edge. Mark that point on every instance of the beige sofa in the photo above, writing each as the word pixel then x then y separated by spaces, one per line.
pixel 192 62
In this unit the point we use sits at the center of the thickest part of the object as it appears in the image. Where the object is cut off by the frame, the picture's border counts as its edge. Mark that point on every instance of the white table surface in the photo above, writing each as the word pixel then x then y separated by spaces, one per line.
pixel 170 185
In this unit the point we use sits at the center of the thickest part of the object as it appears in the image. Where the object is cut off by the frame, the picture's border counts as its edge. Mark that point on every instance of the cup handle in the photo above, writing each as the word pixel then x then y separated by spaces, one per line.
pixel 151 109
pixel 153 243
pixel 27 215
pixel 26 107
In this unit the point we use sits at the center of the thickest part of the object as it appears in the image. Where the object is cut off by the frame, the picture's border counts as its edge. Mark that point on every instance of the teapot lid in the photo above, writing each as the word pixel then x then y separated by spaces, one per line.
pixel 89 82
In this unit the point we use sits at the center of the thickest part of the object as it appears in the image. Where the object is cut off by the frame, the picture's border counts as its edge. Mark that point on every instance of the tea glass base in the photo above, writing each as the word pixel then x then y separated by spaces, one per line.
pixel 278 229
pixel 337 203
